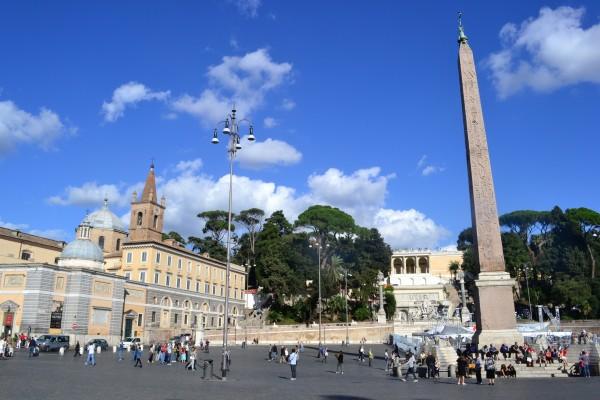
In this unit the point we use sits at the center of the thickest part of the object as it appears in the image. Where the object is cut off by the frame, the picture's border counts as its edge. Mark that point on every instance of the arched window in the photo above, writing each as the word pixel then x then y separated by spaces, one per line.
pixel 139 218
pixel 101 242
pixel 155 223
pixel 26 255
pixel 118 245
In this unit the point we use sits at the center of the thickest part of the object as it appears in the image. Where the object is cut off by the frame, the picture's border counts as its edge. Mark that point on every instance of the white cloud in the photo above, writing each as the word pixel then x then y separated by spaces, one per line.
pixel 129 94
pixel 234 43
pixel 92 194
pixel 288 104
pixel 270 122
pixel 545 53
pixel 57 234
pixel 256 155
pixel 427 168
pixel 248 8
pixel 189 167
pixel 244 81
pixel 18 126
pixel 361 193
pixel 408 228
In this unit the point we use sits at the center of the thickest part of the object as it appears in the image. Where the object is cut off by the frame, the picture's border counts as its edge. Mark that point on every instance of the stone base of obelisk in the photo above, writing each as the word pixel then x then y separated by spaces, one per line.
pixel 495 314
pixel 381 317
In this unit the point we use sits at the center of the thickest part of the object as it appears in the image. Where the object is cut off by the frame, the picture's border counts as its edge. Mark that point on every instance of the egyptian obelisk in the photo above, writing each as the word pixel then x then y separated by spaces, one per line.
pixel 495 310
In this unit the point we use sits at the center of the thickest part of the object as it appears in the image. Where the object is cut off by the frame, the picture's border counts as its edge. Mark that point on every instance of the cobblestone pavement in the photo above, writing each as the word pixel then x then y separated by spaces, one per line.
pixel 252 377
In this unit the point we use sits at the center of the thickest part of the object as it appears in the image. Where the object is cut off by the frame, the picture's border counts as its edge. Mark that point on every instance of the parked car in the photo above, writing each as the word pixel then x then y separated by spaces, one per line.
pixel 128 342
pixel 102 343
pixel 52 342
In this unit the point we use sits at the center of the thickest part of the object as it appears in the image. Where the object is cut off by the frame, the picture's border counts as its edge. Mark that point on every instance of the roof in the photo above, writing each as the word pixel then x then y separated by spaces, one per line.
pixel 149 193
pixel 15 234
pixel 106 219
pixel 82 249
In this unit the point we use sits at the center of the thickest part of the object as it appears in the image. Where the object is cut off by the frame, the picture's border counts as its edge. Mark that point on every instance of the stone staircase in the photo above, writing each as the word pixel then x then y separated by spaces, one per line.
pixel 523 371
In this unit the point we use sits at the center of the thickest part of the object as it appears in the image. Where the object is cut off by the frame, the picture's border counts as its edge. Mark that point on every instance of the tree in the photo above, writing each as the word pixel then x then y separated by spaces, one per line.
pixel 215 224
pixel 175 236
pixel 390 303
pixel 252 220
pixel 208 245
pixel 588 222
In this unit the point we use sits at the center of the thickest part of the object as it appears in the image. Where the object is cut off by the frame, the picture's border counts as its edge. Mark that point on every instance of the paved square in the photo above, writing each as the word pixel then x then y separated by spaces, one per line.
pixel 252 377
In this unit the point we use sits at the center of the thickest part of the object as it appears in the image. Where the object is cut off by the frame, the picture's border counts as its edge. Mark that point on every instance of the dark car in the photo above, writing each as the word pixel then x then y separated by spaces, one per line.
pixel 52 342
pixel 102 343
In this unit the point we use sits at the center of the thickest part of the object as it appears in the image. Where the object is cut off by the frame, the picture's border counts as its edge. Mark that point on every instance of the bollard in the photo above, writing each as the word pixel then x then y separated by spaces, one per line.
pixel 114 349
pixel 98 349
pixel 207 369
pixel 451 371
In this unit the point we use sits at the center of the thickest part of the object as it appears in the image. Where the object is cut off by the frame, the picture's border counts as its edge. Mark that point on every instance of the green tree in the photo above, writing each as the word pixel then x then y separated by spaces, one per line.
pixel 252 220
pixel 390 303
pixel 215 224
pixel 175 236
pixel 588 222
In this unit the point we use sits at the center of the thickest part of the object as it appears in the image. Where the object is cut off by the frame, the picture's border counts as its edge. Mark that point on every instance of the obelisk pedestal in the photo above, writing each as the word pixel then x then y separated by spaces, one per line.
pixel 495 311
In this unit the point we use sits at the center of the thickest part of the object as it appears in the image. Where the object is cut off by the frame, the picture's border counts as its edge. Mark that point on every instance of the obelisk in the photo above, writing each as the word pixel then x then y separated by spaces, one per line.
pixel 495 310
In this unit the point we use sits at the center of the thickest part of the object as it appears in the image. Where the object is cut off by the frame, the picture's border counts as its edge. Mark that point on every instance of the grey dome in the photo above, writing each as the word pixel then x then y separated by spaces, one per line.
pixel 82 249
pixel 105 219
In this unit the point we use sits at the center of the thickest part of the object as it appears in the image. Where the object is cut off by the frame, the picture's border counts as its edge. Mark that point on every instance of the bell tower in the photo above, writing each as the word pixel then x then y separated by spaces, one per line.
pixel 147 214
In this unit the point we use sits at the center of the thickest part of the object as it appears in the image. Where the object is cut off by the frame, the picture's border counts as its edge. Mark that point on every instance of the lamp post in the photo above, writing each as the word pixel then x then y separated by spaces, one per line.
pixel 526 269
pixel 346 300
pixel 381 319
pixel 316 243
pixel 230 128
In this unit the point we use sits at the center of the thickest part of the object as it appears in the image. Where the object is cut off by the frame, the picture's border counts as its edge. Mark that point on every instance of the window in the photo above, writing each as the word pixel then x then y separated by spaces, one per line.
pixel 153 317
pixel 144 256
pixel 207 288
pixel 142 276
pixel 189 267
pixel 176 317
pixel 140 319
pixel 158 257
pixel 156 277
pixel 195 320
pixel 176 303
pixel 188 284
pixel 179 265
pixel 118 245
pixel 235 278
pixel 100 316
pixel 197 286
pixel 140 216
pixel 185 319
pixel 127 275
pixel 129 257
pixel 235 294
pixel 101 242
pixel 214 288
pixel 168 281
pixel 178 283
pixel 221 290
pixel 169 259
pixel 25 255
pixel 155 223
pixel 199 270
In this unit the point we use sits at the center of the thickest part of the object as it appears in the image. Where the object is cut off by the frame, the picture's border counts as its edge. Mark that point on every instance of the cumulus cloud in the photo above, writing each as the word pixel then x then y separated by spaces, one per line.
pixel 18 126
pixel 270 122
pixel 427 168
pixel 248 8
pixel 189 167
pixel 91 194
pixel 256 155
pixel 361 193
pixel 545 53
pixel 126 95
pixel 244 80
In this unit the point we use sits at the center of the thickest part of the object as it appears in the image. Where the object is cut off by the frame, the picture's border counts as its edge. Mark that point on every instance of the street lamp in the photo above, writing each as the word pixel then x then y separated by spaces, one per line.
pixel 346 300
pixel 526 269
pixel 465 314
pixel 316 243
pixel 230 128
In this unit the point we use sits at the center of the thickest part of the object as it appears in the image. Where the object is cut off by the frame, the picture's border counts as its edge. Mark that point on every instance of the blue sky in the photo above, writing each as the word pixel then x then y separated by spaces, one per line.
pixel 355 104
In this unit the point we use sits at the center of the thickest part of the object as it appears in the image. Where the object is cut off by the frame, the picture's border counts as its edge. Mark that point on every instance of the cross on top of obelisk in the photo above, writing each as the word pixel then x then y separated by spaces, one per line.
pixel 462 38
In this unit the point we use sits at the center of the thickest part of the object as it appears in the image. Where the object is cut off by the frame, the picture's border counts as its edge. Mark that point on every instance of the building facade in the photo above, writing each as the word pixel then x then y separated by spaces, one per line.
pixel 421 282
pixel 113 282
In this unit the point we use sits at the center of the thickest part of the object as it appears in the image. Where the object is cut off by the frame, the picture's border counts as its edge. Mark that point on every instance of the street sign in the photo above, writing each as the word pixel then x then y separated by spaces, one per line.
pixel 74 326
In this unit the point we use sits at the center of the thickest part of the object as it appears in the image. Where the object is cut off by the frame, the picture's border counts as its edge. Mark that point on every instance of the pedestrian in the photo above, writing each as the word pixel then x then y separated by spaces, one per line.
pixel 490 368
pixel 584 363
pixel 151 354
pixel 293 361
pixel 410 362
pixel 371 358
pixel 91 355
pixel 137 355
pixel 76 352
pixel 192 364
pixel 325 355
pixel 33 348
pixel 430 362
pixel 478 370
pixel 386 356
pixel 461 369
pixel 340 363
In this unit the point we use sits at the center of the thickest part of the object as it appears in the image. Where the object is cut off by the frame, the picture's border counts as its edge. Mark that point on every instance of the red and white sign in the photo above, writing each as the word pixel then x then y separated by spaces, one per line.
pixel 74 326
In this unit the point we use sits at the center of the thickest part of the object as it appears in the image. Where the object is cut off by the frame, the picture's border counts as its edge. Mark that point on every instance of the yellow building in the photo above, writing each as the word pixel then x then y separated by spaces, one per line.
pixel 119 283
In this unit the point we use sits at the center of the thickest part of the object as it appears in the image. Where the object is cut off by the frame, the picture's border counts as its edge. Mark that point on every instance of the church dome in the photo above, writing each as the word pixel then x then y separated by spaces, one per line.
pixel 105 219
pixel 82 249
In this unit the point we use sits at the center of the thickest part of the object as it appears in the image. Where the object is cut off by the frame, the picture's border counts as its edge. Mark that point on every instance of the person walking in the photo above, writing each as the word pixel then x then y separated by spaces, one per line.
pixel 584 362
pixel 386 356
pixel 76 353
pixel 461 369
pixel 120 350
pixel 293 361
pixel 91 355
pixel 371 357
pixel 430 363
pixel 490 368
pixel 340 363
pixel 410 363
pixel 137 356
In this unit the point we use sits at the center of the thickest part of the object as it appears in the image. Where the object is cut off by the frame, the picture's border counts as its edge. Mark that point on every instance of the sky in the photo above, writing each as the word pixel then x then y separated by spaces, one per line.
pixel 355 104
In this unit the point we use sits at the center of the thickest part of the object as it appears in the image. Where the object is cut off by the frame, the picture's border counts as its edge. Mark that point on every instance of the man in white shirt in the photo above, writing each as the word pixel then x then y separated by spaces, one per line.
pixel 293 361
pixel 410 363
pixel 91 357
